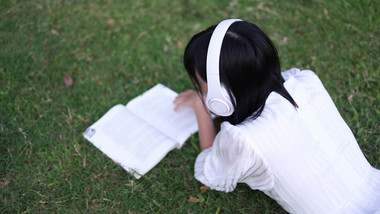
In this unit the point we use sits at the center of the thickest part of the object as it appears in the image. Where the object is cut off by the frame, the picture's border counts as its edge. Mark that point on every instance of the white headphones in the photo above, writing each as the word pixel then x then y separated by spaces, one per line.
pixel 217 100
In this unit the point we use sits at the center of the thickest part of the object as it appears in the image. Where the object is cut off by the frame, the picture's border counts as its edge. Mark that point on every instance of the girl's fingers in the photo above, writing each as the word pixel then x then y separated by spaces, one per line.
pixel 182 96
pixel 178 106
pixel 178 98
pixel 178 101
pixel 183 99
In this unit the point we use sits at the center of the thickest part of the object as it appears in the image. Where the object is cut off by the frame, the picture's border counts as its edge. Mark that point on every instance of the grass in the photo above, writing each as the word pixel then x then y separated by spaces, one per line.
pixel 115 50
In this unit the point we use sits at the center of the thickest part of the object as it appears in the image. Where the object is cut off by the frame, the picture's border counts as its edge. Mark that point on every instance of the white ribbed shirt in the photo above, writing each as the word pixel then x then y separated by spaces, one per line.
pixel 305 158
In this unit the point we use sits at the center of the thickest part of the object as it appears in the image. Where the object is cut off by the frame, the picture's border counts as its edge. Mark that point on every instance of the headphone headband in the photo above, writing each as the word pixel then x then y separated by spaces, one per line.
pixel 218 100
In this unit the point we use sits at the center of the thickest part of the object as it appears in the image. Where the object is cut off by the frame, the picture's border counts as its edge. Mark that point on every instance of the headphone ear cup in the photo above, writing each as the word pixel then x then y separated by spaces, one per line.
pixel 220 105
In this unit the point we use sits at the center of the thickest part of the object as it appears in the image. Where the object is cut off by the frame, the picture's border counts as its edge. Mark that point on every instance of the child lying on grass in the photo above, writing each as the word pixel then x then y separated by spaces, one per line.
pixel 282 132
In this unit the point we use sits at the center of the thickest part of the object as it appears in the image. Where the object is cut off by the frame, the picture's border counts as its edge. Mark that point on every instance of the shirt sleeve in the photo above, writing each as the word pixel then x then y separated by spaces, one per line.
pixel 297 73
pixel 231 160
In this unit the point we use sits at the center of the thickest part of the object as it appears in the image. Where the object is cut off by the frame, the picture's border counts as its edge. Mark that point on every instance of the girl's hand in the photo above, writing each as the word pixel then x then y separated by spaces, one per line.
pixel 206 129
pixel 188 98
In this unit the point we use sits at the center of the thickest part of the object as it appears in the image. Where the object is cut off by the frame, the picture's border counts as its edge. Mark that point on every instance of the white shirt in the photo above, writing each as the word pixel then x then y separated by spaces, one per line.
pixel 305 158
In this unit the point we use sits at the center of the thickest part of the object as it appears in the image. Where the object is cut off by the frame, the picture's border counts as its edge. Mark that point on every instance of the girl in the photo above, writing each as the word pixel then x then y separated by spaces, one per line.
pixel 281 134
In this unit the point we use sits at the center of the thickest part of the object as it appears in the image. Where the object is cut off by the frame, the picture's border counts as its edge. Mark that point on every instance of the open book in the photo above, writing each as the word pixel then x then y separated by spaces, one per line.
pixel 139 135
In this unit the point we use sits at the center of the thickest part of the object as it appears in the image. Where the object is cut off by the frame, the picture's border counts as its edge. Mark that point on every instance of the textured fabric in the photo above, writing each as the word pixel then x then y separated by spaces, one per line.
pixel 239 164
pixel 305 158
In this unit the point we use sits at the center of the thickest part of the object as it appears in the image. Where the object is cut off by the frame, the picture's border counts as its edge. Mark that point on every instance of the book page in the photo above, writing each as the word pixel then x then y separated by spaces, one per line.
pixel 129 140
pixel 156 107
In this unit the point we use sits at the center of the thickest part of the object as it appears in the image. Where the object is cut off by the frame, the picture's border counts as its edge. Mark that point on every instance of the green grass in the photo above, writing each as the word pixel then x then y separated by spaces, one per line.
pixel 115 50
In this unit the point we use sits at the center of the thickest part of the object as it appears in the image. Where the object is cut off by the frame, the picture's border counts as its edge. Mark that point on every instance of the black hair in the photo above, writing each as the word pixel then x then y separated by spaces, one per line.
pixel 249 68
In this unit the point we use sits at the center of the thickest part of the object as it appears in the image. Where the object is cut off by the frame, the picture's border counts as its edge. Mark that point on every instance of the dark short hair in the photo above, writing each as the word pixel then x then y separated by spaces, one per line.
pixel 249 68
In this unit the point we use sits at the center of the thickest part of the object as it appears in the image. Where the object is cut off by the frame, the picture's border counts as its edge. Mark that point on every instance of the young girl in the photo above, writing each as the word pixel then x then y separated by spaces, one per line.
pixel 281 134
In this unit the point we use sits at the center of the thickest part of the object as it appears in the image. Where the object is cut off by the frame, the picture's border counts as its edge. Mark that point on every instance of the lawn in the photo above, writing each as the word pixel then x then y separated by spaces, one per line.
pixel 115 50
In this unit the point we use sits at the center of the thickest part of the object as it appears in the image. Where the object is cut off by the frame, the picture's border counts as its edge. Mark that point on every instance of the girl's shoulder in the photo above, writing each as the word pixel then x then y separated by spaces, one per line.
pixel 231 132
pixel 230 140
pixel 233 140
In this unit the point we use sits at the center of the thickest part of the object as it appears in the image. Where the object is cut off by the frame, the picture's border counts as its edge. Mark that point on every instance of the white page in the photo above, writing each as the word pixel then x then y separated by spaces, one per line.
pixel 128 140
pixel 156 107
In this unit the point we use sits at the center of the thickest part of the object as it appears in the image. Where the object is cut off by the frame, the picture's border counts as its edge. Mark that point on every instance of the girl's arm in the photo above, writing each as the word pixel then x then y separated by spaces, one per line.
pixel 206 129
